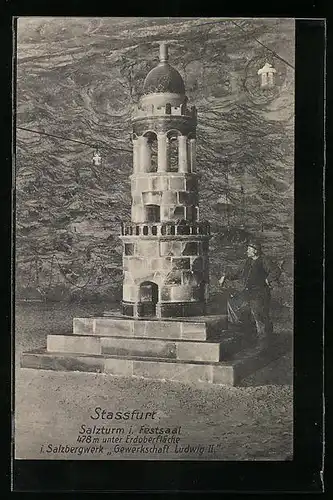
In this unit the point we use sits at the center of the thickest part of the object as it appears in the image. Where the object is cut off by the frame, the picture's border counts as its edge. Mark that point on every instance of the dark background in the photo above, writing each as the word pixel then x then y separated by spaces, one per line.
pixel 80 78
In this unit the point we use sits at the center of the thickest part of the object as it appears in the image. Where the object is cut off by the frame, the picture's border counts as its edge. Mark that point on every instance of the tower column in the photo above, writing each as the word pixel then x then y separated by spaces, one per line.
pixel 162 153
pixel 182 154
pixel 145 155
pixel 136 156
pixel 193 155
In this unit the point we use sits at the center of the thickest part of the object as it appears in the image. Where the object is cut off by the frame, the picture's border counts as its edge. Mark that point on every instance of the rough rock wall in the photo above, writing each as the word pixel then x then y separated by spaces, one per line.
pixel 79 78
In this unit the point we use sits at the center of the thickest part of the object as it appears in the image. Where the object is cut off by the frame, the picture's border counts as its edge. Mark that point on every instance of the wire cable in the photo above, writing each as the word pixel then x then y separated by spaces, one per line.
pixel 263 45
pixel 248 33
pixel 73 140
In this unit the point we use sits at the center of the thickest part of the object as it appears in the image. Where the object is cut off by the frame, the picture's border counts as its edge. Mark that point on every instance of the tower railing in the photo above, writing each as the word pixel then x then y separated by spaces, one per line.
pixel 165 229
pixel 166 110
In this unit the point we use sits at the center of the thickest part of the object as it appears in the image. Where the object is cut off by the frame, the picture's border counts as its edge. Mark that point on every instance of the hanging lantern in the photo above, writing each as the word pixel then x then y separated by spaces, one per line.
pixel 267 76
pixel 97 158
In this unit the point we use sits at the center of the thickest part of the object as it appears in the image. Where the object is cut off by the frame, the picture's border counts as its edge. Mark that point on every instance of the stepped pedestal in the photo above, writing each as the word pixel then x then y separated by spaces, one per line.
pixel 184 349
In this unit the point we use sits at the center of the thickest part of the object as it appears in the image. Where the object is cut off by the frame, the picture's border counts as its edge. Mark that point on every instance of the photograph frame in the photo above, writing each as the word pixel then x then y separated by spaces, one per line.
pixel 300 474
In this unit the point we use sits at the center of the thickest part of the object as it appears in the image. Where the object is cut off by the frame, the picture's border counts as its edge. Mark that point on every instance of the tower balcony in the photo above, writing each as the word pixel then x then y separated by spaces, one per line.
pixel 165 229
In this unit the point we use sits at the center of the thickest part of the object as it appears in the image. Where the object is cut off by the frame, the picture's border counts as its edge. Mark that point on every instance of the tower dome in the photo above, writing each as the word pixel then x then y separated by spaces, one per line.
pixel 163 84
pixel 164 78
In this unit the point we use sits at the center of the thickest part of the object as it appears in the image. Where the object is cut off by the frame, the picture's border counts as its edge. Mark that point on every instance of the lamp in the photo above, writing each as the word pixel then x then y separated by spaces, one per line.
pixel 267 76
pixel 97 158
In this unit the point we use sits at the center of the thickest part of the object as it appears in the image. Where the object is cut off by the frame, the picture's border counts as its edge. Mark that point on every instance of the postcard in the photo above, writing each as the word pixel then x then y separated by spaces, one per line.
pixel 154 238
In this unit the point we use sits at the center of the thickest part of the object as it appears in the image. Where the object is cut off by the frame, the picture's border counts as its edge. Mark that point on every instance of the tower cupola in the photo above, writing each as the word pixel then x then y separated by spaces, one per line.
pixel 164 78
pixel 163 84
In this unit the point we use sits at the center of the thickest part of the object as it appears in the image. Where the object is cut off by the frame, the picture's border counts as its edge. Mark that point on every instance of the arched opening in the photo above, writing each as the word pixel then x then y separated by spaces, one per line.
pixel 148 298
pixel 152 145
pixel 153 149
pixel 173 153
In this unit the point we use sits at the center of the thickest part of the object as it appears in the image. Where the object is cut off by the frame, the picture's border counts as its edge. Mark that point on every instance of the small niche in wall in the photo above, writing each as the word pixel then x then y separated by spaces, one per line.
pixel 190 248
pixel 152 213
pixel 129 248
pixel 177 213
pixel 191 213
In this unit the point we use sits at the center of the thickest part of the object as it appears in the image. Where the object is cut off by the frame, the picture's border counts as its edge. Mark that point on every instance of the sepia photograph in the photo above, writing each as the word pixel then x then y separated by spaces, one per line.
pixel 154 238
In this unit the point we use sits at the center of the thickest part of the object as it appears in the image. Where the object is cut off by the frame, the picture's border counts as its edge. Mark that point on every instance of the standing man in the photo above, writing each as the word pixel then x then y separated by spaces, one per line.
pixel 257 274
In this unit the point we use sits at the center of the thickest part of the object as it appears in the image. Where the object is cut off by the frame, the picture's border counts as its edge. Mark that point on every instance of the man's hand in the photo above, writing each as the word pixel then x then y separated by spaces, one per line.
pixel 221 280
pixel 268 283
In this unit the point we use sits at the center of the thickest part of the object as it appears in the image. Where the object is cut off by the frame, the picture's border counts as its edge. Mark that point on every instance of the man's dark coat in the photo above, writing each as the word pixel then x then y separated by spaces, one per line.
pixel 255 295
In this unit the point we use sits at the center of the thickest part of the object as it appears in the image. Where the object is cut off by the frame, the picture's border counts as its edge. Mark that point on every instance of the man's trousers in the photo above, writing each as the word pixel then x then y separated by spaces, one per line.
pixel 248 307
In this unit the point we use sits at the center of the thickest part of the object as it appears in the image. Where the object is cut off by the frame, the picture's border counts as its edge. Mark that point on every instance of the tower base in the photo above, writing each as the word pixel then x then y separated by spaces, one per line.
pixel 185 350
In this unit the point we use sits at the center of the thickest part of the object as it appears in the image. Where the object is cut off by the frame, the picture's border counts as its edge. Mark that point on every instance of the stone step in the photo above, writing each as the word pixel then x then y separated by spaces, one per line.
pixel 199 329
pixel 226 373
pixel 182 350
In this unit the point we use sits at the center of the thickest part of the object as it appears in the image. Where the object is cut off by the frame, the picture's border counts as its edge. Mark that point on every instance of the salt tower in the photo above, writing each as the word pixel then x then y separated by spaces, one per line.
pixel 165 246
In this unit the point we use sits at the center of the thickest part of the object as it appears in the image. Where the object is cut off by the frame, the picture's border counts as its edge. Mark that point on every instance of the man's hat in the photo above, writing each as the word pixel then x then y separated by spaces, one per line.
pixel 254 244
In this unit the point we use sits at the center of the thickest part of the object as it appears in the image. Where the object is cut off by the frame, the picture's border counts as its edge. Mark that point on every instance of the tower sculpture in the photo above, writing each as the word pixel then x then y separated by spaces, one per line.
pixel 165 266
pixel 165 246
